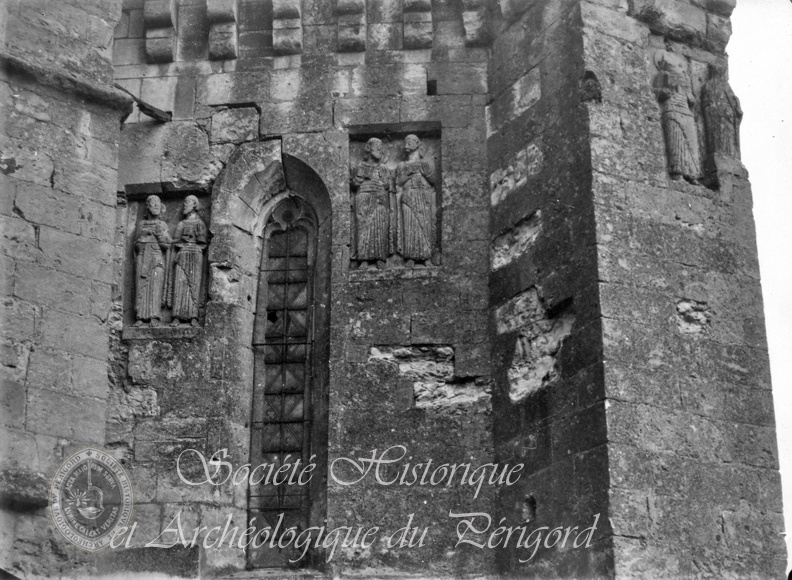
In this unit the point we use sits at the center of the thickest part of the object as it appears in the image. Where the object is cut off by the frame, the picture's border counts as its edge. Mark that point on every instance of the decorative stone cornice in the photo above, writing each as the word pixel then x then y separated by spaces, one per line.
pixel 90 91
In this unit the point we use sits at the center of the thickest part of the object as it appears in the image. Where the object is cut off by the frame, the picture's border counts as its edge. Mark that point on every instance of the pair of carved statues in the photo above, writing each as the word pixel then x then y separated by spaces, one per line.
pixel 720 108
pixel 394 211
pixel 168 270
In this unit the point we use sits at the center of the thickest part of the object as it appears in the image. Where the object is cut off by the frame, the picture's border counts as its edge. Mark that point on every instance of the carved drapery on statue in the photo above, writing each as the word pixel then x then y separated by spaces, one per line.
pixel 394 203
pixel 722 114
pixel 677 102
pixel 152 243
pixel 189 241
pixel 415 179
pixel 168 267
pixel 372 186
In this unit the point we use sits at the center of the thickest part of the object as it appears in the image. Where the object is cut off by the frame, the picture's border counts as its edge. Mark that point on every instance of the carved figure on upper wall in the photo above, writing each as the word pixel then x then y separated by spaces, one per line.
pixel 722 113
pixel 152 247
pixel 415 179
pixel 372 186
pixel 189 241
pixel 677 103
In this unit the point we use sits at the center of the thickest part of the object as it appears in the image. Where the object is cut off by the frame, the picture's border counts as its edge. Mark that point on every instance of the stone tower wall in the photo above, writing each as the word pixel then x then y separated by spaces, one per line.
pixel 58 159
pixel 692 448
pixel 588 304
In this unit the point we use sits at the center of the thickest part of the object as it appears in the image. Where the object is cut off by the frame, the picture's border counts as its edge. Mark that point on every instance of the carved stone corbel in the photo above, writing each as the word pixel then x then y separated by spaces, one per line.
pixel 352 25
pixel 287 31
pixel 160 24
pixel 417 19
pixel 223 37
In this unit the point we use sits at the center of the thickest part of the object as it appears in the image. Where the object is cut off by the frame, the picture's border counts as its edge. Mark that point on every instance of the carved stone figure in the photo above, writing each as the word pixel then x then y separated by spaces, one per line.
pixel 190 241
pixel 677 103
pixel 415 178
pixel 152 243
pixel 722 113
pixel 372 184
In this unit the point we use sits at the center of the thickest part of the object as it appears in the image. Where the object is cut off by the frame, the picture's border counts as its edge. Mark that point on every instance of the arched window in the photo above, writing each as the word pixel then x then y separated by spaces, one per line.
pixel 289 417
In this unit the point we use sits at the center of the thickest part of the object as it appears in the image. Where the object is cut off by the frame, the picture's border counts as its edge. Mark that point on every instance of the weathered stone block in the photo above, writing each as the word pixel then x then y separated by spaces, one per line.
pixel 512 9
pixel 177 561
pixel 122 28
pixel 129 51
pixel 285 9
pixel 417 35
pixel 459 78
pixel 612 22
pixel 160 45
pixel 148 518
pixel 50 370
pixel 287 37
pixel 66 252
pixel 475 19
pixel 89 377
pixel 76 334
pixel 221 11
pixel 157 14
pixel 137 28
pixel 159 92
pixel 720 7
pixel 23 488
pixel 223 41
pixel 43 205
pixel 19 319
pixel 719 32
pixel 521 96
pixel 169 428
pixel 234 125
pixel 76 418
pixel 12 400
pixel 674 18
pixel 384 36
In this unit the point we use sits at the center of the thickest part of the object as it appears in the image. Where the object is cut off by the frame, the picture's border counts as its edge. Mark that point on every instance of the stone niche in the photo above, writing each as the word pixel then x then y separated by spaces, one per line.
pixel 395 184
pixel 166 271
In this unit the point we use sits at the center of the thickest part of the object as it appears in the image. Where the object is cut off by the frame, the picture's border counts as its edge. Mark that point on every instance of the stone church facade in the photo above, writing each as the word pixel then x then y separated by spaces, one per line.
pixel 471 232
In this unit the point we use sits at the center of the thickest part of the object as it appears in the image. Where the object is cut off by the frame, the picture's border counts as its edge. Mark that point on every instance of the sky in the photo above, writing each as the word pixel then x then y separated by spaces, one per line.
pixel 760 60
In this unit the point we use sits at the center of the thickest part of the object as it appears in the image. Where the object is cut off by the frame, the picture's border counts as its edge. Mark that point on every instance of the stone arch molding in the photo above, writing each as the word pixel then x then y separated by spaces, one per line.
pixel 243 197
pixel 258 177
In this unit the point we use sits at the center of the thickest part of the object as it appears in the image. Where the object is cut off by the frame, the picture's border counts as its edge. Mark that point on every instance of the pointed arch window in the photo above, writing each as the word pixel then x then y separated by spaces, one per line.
pixel 289 415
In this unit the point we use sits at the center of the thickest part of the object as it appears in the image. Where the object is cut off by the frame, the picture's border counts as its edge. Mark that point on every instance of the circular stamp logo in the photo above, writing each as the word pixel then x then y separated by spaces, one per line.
pixel 90 498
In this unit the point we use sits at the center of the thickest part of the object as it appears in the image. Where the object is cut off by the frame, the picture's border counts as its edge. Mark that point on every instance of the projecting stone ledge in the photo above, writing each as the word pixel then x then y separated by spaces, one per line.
pixel 68 83
pixel 22 489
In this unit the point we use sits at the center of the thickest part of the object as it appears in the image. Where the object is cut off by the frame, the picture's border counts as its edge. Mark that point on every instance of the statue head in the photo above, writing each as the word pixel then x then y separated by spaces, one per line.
pixel 154 206
pixel 375 148
pixel 190 204
pixel 411 143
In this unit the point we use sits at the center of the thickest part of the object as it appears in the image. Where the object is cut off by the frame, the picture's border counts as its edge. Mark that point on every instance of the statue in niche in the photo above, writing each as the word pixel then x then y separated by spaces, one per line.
pixel 152 247
pixel 189 241
pixel 415 179
pixel 672 88
pixel 722 113
pixel 372 186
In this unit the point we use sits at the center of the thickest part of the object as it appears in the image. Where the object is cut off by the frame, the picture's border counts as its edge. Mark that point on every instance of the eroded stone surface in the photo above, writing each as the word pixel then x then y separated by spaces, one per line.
pixel 539 339
pixel 656 385
pixel 436 383
pixel 509 246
